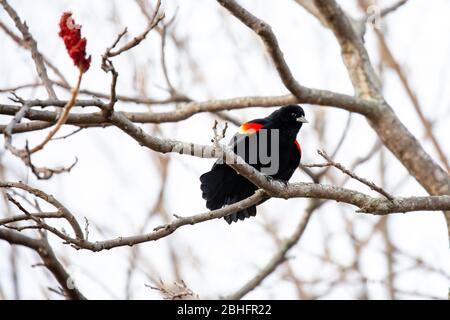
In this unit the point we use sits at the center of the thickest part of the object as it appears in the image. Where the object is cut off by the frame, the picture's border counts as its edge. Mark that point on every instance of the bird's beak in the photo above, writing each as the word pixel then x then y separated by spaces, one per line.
pixel 302 119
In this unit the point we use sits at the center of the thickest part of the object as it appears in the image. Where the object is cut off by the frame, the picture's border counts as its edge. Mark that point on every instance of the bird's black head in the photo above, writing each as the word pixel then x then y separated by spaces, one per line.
pixel 290 116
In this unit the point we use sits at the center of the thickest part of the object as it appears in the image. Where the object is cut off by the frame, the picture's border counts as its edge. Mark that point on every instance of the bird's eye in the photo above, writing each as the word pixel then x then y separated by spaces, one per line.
pixel 294 114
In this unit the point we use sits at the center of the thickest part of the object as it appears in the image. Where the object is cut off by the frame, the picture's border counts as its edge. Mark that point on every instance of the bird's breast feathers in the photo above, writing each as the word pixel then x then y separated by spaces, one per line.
pixel 298 146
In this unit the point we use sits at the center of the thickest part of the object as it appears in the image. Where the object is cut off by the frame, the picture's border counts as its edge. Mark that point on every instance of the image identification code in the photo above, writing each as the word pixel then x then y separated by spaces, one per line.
pixel 226 309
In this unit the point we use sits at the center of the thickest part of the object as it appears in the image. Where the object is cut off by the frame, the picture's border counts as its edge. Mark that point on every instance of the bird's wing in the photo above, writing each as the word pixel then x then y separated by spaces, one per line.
pixel 247 129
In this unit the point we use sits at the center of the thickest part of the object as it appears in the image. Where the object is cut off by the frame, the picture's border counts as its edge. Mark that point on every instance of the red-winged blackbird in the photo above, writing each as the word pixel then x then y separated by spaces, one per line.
pixel 269 145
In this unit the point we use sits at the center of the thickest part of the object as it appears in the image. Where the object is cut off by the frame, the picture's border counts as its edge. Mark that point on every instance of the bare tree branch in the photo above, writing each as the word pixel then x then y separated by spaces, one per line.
pixel 264 31
pixel 17 39
pixel 183 112
pixel 49 259
pixel 366 204
pixel 35 54
pixel 391 131
pixel 51 200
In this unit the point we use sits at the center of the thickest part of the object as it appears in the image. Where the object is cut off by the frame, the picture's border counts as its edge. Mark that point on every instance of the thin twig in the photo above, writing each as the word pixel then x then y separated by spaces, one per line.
pixel 63 117
pixel 69 134
pixel 157 17
pixel 351 174
pixel 384 12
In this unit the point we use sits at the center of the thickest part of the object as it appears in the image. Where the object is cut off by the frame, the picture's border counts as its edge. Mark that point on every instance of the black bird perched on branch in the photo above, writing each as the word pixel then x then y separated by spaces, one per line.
pixel 269 145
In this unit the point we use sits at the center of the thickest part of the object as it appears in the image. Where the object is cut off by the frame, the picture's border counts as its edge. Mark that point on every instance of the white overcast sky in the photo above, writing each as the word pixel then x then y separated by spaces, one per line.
pixel 115 183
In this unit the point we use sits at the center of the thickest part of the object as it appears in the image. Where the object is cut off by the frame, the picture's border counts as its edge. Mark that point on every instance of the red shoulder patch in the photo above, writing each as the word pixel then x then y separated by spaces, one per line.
pixel 298 146
pixel 250 127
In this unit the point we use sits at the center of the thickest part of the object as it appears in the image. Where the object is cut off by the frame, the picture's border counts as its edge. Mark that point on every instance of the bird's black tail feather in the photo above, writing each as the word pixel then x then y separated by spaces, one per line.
pixel 223 186
pixel 241 215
